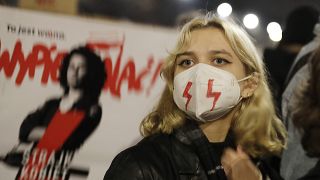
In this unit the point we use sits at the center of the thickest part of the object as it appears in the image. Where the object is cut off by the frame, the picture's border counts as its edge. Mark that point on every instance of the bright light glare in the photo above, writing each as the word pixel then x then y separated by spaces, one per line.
pixel 224 10
pixel 275 32
pixel 251 21
pixel 273 27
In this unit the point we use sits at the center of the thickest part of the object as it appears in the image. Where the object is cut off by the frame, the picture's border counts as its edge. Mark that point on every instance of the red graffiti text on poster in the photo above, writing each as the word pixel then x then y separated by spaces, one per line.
pixel 41 56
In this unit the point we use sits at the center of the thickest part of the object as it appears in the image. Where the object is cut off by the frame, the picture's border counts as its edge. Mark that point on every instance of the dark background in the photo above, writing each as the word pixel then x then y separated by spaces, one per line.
pixel 168 12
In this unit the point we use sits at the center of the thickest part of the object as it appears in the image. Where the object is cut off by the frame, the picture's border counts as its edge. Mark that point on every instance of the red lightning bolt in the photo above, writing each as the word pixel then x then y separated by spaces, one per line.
pixel 215 95
pixel 186 94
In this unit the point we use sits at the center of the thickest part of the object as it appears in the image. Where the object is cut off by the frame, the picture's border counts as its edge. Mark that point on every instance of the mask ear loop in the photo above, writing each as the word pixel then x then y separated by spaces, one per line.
pixel 242 106
pixel 243 79
pixel 240 98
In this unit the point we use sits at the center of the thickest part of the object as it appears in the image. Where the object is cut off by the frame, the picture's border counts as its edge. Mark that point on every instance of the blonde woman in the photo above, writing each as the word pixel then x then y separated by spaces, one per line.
pixel 215 118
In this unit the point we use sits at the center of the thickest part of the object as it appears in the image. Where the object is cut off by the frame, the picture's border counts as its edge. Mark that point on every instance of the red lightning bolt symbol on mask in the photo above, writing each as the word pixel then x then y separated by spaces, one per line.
pixel 210 93
pixel 186 94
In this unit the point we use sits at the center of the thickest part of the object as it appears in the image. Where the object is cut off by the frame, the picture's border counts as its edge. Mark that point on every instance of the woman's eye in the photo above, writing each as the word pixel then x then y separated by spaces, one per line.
pixel 186 63
pixel 220 61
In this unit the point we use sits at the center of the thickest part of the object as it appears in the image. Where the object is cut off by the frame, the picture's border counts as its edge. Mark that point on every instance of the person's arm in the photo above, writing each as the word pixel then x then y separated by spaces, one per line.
pixel 36 134
pixel 33 126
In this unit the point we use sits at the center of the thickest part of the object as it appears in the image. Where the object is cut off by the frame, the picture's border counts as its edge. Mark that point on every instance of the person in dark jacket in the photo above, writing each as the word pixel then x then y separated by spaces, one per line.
pixel 297 33
pixel 62 125
pixel 307 116
pixel 215 119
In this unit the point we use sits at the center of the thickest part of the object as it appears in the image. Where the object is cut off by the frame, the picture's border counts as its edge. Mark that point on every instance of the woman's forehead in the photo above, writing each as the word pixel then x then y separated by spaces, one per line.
pixel 78 58
pixel 206 40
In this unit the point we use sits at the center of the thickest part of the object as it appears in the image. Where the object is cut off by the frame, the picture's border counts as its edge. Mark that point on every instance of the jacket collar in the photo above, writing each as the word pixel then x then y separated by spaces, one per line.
pixel 190 134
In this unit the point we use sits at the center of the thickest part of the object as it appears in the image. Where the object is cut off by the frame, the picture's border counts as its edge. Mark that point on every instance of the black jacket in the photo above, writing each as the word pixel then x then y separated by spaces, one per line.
pixel 184 154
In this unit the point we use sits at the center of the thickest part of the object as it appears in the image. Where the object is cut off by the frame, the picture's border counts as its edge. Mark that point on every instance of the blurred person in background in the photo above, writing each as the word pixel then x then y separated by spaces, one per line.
pixel 215 119
pixel 294 168
pixel 298 32
pixel 306 117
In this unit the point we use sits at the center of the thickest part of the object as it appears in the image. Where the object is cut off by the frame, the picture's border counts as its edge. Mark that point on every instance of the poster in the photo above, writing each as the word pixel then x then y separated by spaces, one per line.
pixel 32 47
pixel 70 6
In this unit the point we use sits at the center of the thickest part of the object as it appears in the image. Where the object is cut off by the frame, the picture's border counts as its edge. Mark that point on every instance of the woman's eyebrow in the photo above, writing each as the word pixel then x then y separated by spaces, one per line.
pixel 186 53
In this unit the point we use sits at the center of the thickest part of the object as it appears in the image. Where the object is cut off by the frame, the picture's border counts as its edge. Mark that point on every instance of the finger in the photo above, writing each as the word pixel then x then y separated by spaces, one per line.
pixel 228 157
pixel 225 162
pixel 229 154
pixel 241 152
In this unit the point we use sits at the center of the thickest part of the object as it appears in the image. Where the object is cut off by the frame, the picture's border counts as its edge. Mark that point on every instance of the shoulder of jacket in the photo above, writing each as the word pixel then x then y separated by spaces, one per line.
pixel 153 141
pixel 53 101
pixel 123 166
pixel 50 103
pixel 139 161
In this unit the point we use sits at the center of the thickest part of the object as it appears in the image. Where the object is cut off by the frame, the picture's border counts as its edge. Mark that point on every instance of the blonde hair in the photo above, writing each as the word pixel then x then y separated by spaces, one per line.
pixel 255 124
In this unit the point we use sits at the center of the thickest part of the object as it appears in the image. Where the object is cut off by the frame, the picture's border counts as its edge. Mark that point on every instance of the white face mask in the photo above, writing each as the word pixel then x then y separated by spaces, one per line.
pixel 206 92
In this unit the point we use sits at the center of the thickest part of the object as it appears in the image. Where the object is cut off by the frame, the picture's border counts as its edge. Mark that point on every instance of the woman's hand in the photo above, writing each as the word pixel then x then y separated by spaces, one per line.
pixel 238 166
pixel 36 134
